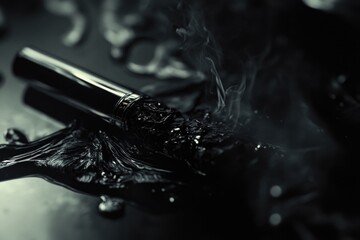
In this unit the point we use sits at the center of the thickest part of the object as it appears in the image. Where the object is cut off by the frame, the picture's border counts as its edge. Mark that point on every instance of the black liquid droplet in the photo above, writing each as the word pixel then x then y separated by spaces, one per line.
pixel 111 207
pixel 15 136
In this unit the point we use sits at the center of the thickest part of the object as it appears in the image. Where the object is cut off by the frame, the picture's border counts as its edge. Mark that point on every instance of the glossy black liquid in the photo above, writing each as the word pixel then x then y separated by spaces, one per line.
pixel 100 164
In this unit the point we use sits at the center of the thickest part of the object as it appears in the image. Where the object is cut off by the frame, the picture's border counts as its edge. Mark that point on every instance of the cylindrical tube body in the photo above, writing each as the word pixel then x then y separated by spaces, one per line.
pixel 82 87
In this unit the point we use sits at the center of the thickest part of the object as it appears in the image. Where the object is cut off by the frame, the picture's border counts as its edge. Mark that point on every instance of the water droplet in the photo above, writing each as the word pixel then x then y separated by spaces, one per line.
pixel 111 207
pixel 276 191
pixel 257 147
pixel 275 219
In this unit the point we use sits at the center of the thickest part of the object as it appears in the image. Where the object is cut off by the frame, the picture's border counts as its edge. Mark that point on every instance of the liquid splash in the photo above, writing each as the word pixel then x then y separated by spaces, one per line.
pixel 96 163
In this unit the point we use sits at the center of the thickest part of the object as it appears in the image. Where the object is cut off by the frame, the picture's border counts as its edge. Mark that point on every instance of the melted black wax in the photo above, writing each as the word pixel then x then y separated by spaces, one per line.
pixel 98 163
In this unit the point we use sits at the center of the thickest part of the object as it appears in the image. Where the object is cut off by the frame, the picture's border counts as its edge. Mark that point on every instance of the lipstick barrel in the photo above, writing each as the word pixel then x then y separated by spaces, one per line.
pixel 79 87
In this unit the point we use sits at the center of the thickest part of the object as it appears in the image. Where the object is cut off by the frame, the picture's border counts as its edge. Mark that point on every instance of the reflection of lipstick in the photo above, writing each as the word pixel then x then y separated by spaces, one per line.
pixel 162 129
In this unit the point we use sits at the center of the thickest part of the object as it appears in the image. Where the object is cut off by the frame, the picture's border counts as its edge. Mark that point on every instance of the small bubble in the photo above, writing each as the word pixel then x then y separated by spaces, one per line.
pixel 256 111
pixel 275 219
pixel 171 199
pixel 276 191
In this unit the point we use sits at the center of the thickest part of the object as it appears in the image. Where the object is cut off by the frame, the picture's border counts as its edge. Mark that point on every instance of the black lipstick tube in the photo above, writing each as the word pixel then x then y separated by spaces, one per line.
pixel 160 128
pixel 78 88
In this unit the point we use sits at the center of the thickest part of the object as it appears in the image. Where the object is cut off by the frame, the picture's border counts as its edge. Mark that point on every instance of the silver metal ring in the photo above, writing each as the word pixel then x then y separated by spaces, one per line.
pixel 124 104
